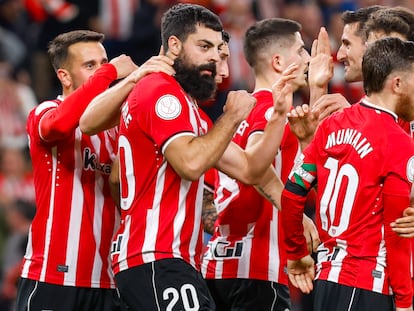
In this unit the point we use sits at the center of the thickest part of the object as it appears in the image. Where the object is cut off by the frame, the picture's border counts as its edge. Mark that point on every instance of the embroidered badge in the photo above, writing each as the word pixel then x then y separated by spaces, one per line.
pixel 168 107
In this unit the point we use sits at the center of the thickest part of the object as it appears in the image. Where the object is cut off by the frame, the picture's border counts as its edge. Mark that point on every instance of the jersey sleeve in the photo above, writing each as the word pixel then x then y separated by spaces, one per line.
pixel 56 123
pixel 259 117
pixel 396 199
pixel 301 180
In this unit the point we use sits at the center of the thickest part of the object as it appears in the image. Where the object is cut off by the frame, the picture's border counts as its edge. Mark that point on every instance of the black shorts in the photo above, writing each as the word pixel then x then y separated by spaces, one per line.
pixel 34 295
pixel 168 284
pixel 247 294
pixel 337 297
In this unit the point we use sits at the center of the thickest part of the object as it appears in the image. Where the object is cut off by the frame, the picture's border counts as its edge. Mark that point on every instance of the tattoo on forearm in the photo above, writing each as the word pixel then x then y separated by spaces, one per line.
pixel 266 195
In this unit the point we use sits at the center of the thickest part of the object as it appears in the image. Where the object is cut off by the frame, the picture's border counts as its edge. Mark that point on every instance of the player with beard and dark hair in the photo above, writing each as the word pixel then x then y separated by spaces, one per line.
pixel 165 146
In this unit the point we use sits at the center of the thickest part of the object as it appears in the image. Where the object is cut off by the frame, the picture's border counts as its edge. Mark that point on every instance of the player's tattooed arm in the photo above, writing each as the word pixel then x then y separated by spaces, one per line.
pixel 209 212
pixel 266 195
pixel 271 187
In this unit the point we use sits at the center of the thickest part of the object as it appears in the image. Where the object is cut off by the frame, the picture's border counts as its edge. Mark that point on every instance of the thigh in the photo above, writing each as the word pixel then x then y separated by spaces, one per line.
pixel 367 300
pixel 337 297
pixel 169 284
pixel 261 296
pixel 35 295
pixel 247 294
pixel 221 290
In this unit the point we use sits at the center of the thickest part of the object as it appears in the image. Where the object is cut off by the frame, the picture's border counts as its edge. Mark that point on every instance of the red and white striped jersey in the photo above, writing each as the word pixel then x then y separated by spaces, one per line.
pixel 161 212
pixel 409 128
pixel 248 240
pixel 70 237
pixel 363 164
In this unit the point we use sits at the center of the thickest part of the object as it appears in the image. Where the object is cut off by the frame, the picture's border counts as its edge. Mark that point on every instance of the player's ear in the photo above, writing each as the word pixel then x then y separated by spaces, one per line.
pixel 277 63
pixel 64 77
pixel 397 84
pixel 174 46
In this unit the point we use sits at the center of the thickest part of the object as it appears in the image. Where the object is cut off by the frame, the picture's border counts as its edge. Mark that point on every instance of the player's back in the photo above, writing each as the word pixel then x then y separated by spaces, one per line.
pixel 355 151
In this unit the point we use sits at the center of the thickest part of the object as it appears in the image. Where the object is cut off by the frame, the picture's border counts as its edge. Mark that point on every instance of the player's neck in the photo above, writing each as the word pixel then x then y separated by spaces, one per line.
pixel 384 100
pixel 265 81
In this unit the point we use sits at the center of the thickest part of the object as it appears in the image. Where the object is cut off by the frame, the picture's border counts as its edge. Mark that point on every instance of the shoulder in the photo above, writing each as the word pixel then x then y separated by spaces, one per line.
pixel 156 85
pixel 43 107
pixel 157 79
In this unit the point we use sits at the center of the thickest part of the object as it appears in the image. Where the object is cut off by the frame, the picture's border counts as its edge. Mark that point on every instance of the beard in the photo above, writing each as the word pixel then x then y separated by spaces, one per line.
pixel 201 87
pixel 403 109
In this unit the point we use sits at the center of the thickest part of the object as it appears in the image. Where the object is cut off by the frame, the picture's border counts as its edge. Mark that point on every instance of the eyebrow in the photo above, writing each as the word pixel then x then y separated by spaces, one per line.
pixel 209 43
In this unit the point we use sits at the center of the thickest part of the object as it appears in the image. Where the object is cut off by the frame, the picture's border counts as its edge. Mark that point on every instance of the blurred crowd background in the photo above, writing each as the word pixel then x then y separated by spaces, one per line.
pixel 131 27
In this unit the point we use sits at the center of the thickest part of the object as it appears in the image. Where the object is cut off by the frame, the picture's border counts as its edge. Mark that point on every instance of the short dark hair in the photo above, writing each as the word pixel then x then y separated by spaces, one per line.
pixel 181 20
pixel 260 36
pixel 408 16
pixel 384 57
pixel 58 48
pixel 360 17
pixel 226 36
pixel 389 20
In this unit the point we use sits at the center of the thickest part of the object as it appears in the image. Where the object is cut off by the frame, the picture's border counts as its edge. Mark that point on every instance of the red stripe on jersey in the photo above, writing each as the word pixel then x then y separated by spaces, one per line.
pixel 70 236
pixel 248 239
pixel 161 215
pixel 355 178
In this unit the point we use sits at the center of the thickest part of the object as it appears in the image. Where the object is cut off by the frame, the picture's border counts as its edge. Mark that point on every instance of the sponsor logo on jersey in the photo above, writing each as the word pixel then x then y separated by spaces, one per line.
pixel 410 169
pixel 90 162
pixel 168 107
pixel 226 249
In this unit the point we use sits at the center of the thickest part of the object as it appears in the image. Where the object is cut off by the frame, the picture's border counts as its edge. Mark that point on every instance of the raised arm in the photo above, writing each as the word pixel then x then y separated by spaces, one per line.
pixel 404 226
pixel 398 256
pixel 320 66
pixel 57 123
pixel 104 110
pixel 319 75
pixel 261 149
pixel 192 156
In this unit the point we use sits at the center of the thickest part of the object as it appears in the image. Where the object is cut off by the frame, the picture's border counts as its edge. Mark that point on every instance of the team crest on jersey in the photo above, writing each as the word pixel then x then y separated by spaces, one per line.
pixel 410 169
pixel 268 113
pixel 168 107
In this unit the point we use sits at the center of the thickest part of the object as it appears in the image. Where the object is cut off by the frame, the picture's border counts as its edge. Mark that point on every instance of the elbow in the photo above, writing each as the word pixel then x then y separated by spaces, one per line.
pixel 190 171
pixel 191 175
pixel 251 178
pixel 85 127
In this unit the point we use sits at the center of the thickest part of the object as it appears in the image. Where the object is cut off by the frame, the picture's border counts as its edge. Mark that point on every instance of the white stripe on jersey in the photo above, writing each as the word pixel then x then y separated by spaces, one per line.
pixel 180 218
pixel 153 217
pixel 75 213
pixel 123 263
pixel 97 216
pixel 28 254
pixel 243 266
pixel 197 222
pixel 45 105
pixel 224 231
pixel 274 252
pixel 50 218
pixel 232 187
pixel 378 285
pixel 336 263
